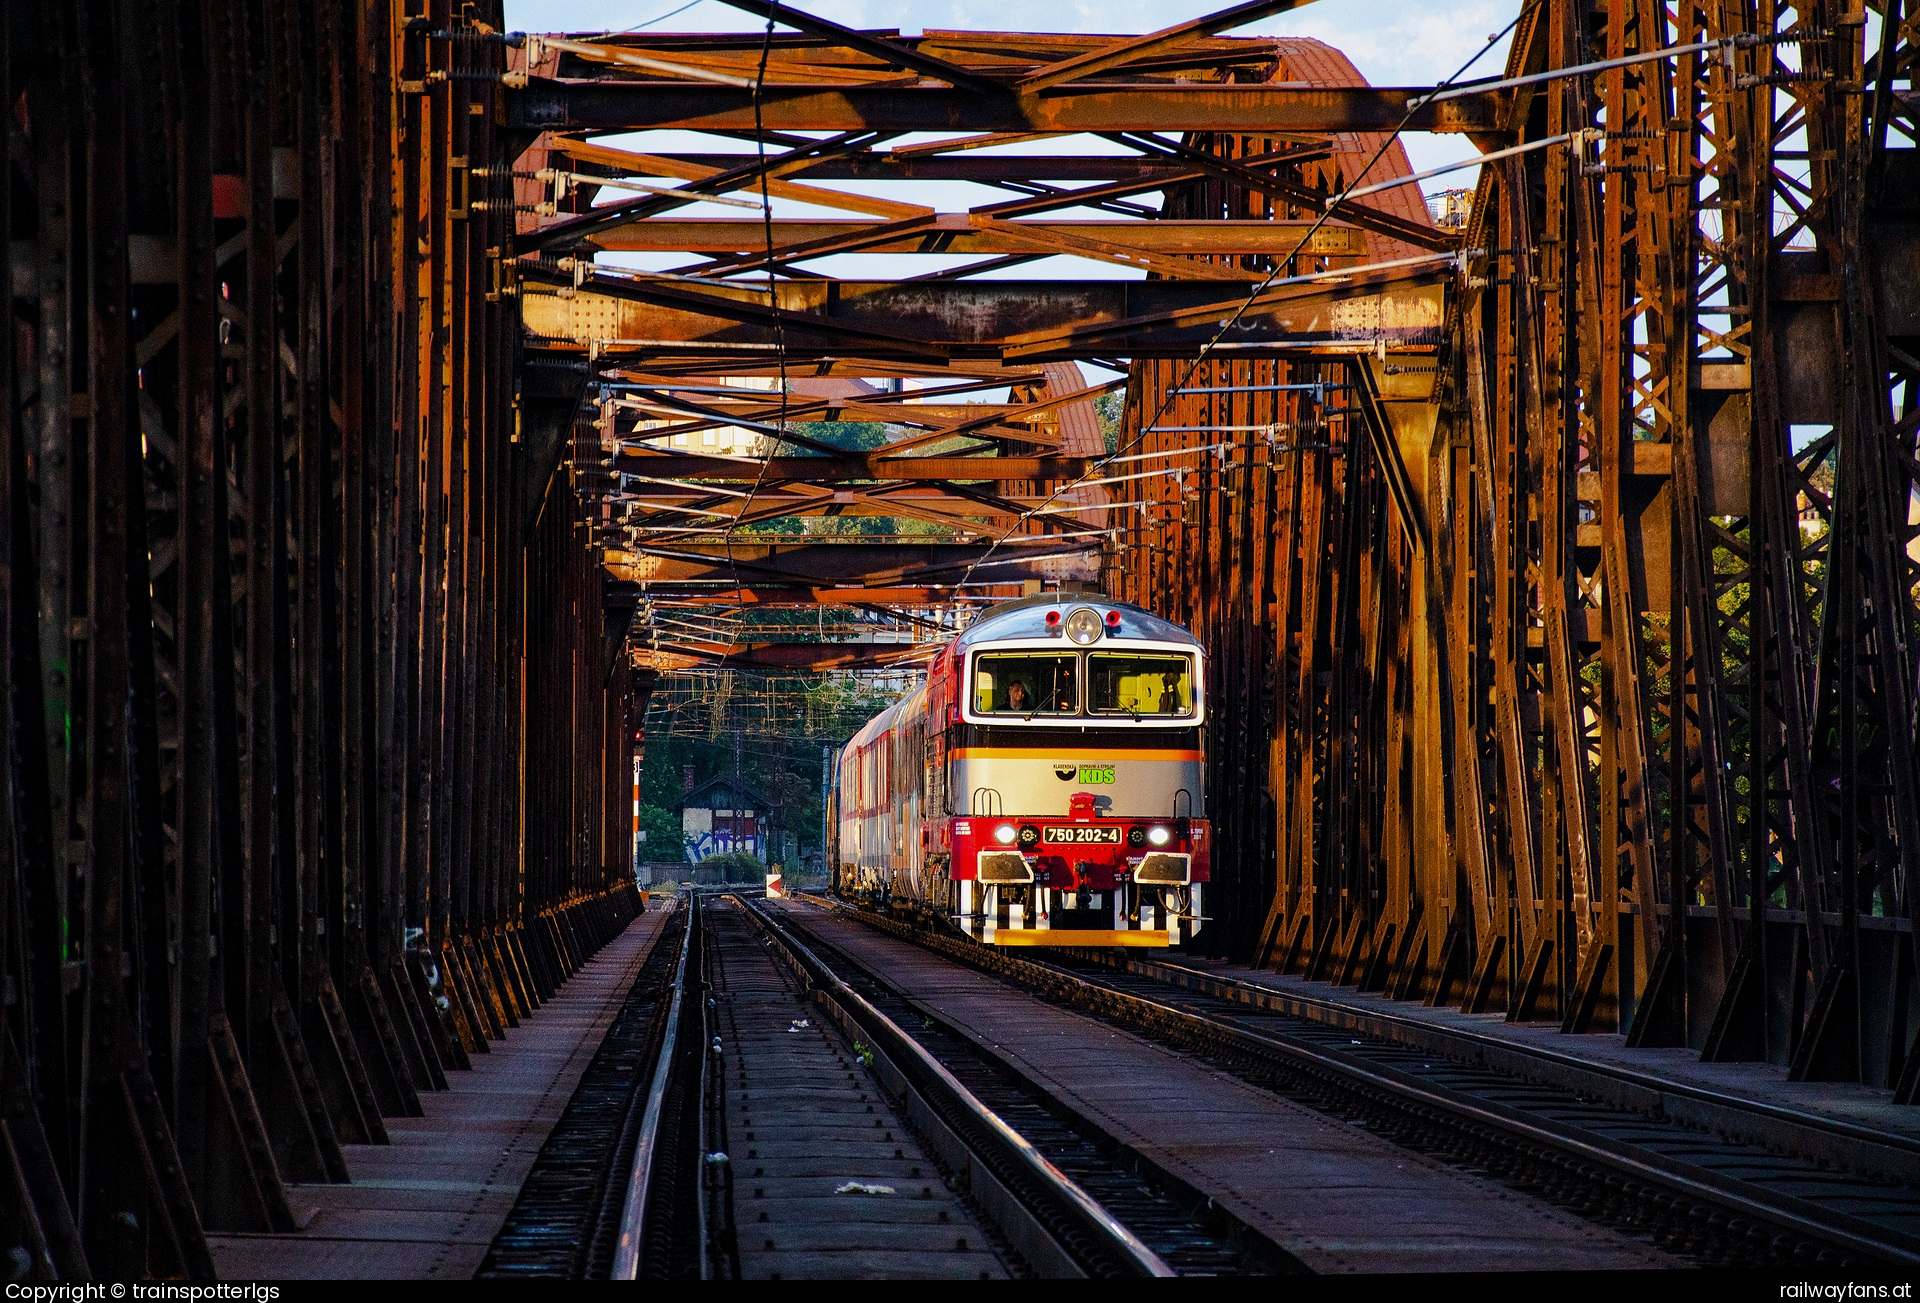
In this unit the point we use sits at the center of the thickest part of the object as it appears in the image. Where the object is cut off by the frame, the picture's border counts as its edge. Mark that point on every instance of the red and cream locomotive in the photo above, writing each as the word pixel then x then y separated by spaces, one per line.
pixel 1044 787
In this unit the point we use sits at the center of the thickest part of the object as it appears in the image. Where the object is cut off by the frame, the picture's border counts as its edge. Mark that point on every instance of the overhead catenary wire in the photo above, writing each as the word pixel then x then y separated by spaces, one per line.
pixel 1494 157
pixel 773 296
pixel 1317 385
pixel 1721 45
pixel 1261 287
pixel 659 19
pixel 1051 505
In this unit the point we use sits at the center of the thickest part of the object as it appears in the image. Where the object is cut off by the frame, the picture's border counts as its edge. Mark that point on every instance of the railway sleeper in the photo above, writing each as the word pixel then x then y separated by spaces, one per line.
pixel 1055 1226
pixel 1236 1247
pixel 1711 1219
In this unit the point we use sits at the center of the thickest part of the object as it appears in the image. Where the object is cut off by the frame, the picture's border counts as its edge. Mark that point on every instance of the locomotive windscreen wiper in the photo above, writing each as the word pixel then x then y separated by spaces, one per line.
pixel 1053 695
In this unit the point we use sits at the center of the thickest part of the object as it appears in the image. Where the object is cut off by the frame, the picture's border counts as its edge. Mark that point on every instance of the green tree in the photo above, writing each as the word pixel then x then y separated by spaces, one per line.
pixel 665 840
pixel 782 763
pixel 853 436
pixel 1112 410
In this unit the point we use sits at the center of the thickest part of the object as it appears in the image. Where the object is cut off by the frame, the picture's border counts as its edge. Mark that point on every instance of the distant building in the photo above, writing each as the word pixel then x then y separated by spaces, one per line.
pixel 714 817
pixel 1450 209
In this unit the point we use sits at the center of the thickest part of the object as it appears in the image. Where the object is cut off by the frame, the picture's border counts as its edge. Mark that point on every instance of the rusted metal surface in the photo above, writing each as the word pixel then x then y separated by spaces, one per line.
pixel 285 843
pixel 1025 491
pixel 996 320
pixel 615 106
pixel 1338 1197
pixel 428 1205
pixel 1562 616
pixel 1580 651
pixel 712 235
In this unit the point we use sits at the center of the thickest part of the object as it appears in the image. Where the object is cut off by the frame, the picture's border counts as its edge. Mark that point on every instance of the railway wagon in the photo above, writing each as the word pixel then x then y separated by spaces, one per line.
pixel 1044 786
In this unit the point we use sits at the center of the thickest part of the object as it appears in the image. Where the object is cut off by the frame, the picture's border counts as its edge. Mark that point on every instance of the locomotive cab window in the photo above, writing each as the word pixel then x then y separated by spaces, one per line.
pixel 1026 685
pixel 1159 685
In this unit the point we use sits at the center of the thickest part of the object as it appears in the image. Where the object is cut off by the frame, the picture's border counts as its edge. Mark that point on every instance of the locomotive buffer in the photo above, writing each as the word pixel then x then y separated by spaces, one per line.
pixel 1044 787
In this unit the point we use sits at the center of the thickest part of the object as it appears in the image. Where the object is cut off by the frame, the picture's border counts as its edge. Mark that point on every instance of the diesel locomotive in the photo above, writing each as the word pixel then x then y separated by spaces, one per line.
pixel 1043 787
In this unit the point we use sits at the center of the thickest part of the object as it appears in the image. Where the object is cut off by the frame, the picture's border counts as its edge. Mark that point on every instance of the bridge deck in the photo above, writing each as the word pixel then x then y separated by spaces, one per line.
pixel 426 1206
pixel 1840 1119
pixel 1339 1198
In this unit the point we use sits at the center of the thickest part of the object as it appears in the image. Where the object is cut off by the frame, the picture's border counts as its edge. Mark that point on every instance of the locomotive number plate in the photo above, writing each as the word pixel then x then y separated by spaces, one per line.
pixel 1083 835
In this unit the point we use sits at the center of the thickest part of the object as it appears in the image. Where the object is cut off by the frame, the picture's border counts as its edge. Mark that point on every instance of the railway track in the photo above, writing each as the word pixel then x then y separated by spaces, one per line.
pixel 751 1115
pixel 565 1221
pixel 824 1175
pixel 1182 1232
pixel 1710 1199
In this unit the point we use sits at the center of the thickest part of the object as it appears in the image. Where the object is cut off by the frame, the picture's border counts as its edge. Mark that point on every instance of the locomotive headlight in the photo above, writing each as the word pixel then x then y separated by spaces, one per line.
pixel 1005 834
pixel 1159 836
pixel 1083 626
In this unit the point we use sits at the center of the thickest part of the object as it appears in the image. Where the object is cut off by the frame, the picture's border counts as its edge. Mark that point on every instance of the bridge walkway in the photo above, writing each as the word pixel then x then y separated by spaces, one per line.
pixel 427 1205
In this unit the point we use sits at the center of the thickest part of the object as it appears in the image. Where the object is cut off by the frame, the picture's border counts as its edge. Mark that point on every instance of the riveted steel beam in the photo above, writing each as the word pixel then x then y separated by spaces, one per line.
pixel 984 319
pixel 634 106
pixel 830 470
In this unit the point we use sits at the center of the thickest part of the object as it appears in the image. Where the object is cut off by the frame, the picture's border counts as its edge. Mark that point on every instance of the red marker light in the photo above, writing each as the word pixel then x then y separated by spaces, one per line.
pixel 1053 619
pixel 1113 619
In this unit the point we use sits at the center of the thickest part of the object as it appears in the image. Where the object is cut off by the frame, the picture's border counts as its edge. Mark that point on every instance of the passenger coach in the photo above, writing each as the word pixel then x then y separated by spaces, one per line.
pixel 1044 787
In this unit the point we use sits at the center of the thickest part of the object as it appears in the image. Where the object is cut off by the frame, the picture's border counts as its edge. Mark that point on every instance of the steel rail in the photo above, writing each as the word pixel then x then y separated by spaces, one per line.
pixel 1425 1103
pixel 1852 1235
pixel 1872 1148
pixel 1099 1243
pixel 633 1213
pixel 982 1051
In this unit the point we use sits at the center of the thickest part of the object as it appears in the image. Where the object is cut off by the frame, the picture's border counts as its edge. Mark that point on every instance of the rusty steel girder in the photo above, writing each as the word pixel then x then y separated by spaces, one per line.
pixel 284 840
pixel 1560 589
pixel 612 106
pixel 850 562
pixel 829 470
pixel 618 316
pixel 1588 695
pixel 712 235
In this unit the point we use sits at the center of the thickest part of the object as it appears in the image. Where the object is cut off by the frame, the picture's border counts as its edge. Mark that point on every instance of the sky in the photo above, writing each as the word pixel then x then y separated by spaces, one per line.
pixel 1392 42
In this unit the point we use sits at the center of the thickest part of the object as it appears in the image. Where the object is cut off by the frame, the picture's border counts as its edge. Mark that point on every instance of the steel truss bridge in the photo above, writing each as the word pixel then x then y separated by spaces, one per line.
pixel 1558 564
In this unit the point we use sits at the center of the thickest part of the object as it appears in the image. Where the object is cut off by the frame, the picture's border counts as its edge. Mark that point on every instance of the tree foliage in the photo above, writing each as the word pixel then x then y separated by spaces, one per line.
pixel 664 836
pixel 782 722
pixel 851 436
pixel 1112 411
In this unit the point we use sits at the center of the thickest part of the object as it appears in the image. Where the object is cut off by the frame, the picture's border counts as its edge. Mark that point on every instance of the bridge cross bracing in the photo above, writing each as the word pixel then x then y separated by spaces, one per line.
pixel 1561 614
pixel 753 329
pixel 1584 625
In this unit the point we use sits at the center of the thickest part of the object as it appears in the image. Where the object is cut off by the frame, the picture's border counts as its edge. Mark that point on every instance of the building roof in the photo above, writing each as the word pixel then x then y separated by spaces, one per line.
pixel 717 794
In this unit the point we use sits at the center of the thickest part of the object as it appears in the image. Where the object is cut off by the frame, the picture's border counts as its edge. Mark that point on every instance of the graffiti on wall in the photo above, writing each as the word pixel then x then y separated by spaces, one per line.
pixel 702 844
